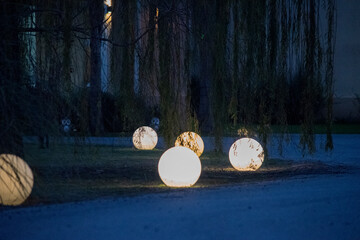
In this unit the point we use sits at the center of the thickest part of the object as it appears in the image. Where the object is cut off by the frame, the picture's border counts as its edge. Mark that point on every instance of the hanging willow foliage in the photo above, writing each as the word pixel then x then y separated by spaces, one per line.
pixel 264 89
pixel 281 66
pixel 282 85
pixel 312 87
pixel 329 84
pixel 275 71
pixel 220 73
pixel 234 101
pixel 252 63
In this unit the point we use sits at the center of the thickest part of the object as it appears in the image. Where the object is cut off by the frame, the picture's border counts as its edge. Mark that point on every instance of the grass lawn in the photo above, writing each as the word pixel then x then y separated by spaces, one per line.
pixel 73 173
pixel 232 131
pixel 318 129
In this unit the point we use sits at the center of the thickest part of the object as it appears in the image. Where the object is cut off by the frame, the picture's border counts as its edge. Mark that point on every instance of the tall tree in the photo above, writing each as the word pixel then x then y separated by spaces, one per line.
pixel 203 24
pixel 220 74
pixel 11 78
pixel 123 62
pixel 96 15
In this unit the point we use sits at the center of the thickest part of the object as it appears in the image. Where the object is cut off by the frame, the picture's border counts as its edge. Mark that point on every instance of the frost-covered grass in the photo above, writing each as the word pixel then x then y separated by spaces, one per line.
pixel 67 173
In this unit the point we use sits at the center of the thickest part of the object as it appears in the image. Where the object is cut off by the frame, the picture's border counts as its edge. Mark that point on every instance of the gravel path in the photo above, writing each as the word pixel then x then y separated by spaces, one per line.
pixel 315 207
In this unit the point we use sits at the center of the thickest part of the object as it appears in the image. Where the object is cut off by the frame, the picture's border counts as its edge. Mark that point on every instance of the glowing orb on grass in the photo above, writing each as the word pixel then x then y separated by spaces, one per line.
pixel 191 140
pixel 16 180
pixel 179 167
pixel 145 138
pixel 246 154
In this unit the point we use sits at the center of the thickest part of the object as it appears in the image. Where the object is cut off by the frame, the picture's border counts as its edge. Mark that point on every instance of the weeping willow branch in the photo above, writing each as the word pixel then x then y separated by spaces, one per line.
pixel 329 84
pixel 220 74
pixel 233 105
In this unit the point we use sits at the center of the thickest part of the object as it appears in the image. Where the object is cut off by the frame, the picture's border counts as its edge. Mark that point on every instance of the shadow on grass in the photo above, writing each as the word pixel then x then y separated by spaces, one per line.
pixel 68 173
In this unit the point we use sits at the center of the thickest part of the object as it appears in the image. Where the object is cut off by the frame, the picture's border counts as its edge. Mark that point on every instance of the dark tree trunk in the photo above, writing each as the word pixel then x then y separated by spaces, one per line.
pixel 123 62
pixel 10 79
pixel 203 21
pixel 96 14
pixel 219 71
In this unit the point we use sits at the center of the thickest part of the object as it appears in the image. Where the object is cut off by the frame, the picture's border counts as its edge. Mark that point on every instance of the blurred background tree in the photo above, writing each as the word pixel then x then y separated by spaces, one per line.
pixel 198 65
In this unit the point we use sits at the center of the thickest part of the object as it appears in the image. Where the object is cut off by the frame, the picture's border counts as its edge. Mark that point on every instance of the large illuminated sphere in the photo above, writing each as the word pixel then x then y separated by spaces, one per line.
pixel 179 167
pixel 191 140
pixel 246 154
pixel 16 180
pixel 145 138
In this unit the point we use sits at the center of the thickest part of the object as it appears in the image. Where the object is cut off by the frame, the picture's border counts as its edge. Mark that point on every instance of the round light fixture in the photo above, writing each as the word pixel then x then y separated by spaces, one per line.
pixel 246 154
pixel 179 167
pixel 191 140
pixel 145 138
pixel 16 180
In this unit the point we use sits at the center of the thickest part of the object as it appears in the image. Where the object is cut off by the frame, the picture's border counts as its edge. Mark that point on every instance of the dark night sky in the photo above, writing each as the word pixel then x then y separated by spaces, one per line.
pixel 347 50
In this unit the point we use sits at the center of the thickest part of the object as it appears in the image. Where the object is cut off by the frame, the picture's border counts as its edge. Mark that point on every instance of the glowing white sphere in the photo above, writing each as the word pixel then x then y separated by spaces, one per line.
pixel 145 138
pixel 191 140
pixel 16 180
pixel 179 167
pixel 246 154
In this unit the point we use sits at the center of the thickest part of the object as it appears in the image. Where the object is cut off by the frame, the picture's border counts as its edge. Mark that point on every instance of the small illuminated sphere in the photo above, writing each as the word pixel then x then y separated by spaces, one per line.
pixel 191 140
pixel 16 180
pixel 246 154
pixel 145 138
pixel 179 167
